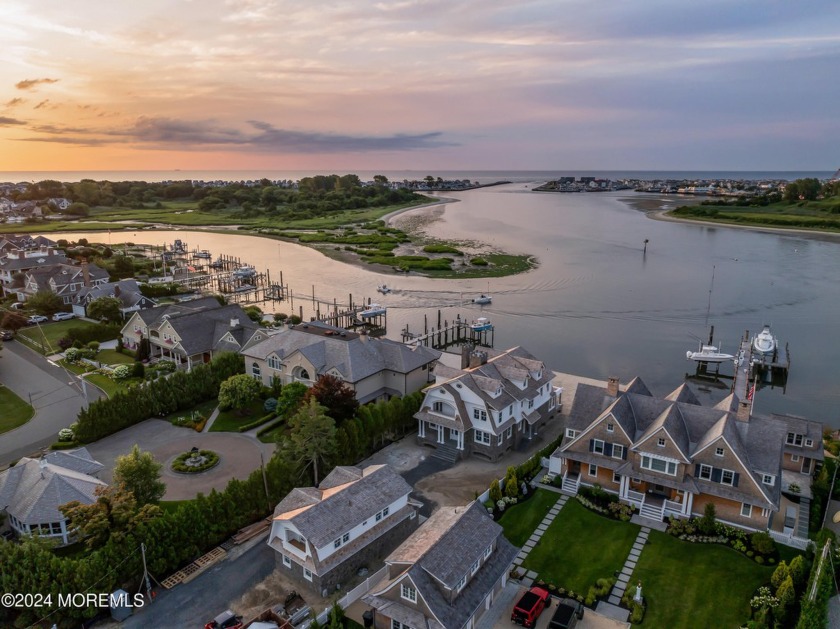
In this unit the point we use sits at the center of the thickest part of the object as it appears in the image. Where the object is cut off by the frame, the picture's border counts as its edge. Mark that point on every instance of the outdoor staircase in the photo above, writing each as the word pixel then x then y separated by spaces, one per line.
pixel 804 518
pixel 651 512
pixel 445 452
pixel 570 485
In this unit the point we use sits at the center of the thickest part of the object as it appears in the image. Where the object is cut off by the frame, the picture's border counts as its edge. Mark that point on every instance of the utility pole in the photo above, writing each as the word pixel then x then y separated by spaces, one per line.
pixel 265 481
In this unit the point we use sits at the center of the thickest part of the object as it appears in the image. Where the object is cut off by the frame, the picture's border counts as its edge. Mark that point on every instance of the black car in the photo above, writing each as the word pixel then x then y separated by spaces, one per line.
pixel 7 335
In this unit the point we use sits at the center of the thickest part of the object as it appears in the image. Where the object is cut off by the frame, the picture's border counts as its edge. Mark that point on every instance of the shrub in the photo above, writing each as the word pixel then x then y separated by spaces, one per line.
pixel 179 464
pixel 94 345
pixel 495 491
pixel 257 423
pixel 759 559
pixel 64 445
pixel 706 525
pixel 121 372
pixel 270 405
pixel 138 370
pixel 763 543
pixel 65 434
pixel 479 262
pixel 165 366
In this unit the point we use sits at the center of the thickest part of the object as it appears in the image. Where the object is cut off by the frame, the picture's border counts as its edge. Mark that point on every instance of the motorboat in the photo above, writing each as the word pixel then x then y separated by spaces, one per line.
pixel 203 254
pixel 481 324
pixel 708 354
pixel 484 299
pixel 764 342
pixel 372 310
pixel 244 272
pixel 383 288
pixel 218 264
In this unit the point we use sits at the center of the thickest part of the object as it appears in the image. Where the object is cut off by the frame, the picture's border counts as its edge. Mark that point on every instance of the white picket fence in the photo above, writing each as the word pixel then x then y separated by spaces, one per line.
pixel 791 540
pixel 353 595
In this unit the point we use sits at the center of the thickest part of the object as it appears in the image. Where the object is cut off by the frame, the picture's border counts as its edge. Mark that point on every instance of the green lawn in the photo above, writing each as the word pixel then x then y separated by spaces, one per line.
pixel 581 547
pixel 696 585
pixel 204 408
pixel 520 521
pixel 113 357
pixel 230 421
pixel 14 411
pixel 272 435
pixel 35 336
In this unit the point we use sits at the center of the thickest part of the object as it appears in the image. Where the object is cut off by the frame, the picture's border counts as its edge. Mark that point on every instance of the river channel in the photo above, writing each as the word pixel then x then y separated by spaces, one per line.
pixel 596 305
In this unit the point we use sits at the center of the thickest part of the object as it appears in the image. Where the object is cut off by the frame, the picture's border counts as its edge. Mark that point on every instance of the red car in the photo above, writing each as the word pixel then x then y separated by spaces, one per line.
pixel 527 611
pixel 226 620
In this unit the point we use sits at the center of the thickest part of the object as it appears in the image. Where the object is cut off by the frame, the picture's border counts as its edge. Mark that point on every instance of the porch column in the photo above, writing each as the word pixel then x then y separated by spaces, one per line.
pixel 440 433
pixel 421 429
pixel 622 489
pixel 189 364
pixel 687 503
pixel 64 534
pixel 461 440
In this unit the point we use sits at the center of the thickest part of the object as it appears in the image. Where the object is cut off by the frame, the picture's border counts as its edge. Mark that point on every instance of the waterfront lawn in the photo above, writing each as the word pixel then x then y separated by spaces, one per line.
pixel 521 520
pixel 581 547
pixel 14 411
pixel 44 338
pixel 696 585
pixel 231 420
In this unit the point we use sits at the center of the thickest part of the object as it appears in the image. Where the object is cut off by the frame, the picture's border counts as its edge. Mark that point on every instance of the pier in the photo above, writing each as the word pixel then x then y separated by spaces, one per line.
pixel 447 334
pixel 351 317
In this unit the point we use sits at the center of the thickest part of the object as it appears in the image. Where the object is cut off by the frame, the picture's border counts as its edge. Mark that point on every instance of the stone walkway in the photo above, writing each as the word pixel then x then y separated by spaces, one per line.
pixel 623 581
pixel 535 537
pixel 211 419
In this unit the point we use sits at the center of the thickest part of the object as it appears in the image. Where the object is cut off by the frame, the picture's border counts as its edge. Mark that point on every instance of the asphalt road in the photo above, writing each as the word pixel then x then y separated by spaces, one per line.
pixel 199 601
pixel 55 394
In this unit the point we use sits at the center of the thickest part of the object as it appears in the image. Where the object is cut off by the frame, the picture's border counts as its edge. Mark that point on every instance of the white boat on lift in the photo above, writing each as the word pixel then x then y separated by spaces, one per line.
pixel 484 299
pixel 372 310
pixel 764 342
pixel 481 324
pixel 708 354
pixel 383 288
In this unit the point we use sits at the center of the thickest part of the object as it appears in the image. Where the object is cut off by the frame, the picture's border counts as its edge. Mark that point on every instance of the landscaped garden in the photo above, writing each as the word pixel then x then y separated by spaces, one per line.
pixel 14 411
pixel 581 547
pixel 44 338
pixel 232 419
pixel 521 520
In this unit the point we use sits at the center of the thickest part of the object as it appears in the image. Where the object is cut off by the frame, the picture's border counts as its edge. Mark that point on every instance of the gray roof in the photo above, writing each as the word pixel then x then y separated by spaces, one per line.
pixel 129 292
pixel 442 551
pixel 356 358
pixel 324 514
pixel 14 264
pixel 33 490
pixel 78 460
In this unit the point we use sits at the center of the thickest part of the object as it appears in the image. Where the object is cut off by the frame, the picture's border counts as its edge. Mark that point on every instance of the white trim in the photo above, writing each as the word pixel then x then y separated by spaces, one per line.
pixel 591 473
pixel 748 508
pixel 745 473
pixel 408 593
pixel 607 413
pixel 307 574
pixel 287 561
pixel 636 446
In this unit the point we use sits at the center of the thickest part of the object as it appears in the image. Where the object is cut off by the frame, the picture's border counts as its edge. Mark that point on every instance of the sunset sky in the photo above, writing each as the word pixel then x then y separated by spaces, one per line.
pixel 419 84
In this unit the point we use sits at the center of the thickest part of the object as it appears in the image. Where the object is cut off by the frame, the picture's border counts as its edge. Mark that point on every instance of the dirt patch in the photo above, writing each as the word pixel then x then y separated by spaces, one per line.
pixel 273 590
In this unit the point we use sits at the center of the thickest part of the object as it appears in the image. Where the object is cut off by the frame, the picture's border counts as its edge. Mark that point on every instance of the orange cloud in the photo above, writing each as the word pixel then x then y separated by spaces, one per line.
pixel 28 84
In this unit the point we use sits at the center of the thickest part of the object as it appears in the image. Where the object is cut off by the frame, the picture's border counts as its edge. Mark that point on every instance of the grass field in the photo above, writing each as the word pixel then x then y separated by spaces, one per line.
pixel 230 421
pixel 14 411
pixel 113 357
pixel 821 215
pixel 581 547
pixel 521 520
pixel 44 338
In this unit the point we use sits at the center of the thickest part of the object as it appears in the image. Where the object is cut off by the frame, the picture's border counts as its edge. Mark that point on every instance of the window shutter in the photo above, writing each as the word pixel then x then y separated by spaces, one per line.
pixel 716 474
pixel 624 453
pixel 591 445
pixel 697 471
pixel 735 479
pixel 608 449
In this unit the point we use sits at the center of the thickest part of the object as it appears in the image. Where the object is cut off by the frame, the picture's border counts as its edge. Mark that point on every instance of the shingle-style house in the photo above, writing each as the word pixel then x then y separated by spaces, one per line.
pixel 65 280
pixel 16 258
pixel 446 575
pixel 127 291
pixel 191 332
pixel 373 368
pixel 489 406
pixel 32 491
pixel 323 535
pixel 671 456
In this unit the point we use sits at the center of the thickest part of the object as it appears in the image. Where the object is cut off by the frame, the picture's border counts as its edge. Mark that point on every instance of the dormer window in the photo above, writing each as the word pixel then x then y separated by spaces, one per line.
pixel 660 442
pixel 768 479
pixel 479 414
pixel 408 593
pixel 610 427
pixel 718 451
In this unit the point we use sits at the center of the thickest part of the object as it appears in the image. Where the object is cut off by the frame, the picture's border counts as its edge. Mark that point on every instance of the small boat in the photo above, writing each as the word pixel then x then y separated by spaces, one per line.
pixel 203 254
pixel 218 264
pixel 245 272
pixel 383 288
pixel 481 324
pixel 764 342
pixel 484 299
pixel 372 310
pixel 708 354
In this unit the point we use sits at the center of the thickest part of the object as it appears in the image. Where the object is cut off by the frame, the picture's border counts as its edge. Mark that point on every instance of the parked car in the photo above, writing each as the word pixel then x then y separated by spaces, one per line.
pixel 7 335
pixel 63 316
pixel 18 306
pixel 36 319
pixel 226 620
pixel 567 614
pixel 527 611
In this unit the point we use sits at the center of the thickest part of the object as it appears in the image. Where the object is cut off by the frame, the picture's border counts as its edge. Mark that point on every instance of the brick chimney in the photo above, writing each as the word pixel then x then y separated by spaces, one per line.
pixel 85 272
pixel 363 336
pixel 465 355
pixel 477 359
pixel 234 322
pixel 612 386
pixel 744 411
pixel 116 290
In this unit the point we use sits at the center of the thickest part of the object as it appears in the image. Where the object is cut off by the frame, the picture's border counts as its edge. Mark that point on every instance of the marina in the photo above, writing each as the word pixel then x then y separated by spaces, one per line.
pixel 451 333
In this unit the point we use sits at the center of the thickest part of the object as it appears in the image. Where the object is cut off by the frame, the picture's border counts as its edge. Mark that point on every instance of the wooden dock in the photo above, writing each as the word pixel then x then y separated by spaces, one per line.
pixel 447 334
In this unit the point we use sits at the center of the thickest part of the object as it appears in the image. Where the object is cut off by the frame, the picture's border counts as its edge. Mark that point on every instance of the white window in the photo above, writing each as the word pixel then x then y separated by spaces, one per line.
pixel 598 446
pixel 767 479
pixel 718 451
pixel 794 458
pixel 437 407
pixel 746 510
pixel 530 403
pixel 727 477
pixel 660 442
pixel 570 433
pixel 345 538
pixel 255 370
pixel 765 513
pixel 616 477
pixel 386 511
pixel 474 567
pixel 809 443
pixel 461 583
pixel 337 543
pixel 479 414
pixel 488 551
pixel 610 428
pixel 408 593
pixel 274 363
pixel 287 561
pixel 794 439
pixel 706 472
pixel 396 624
pixel 482 437
pixel 659 465
pixel 618 451
pixel 593 470
pixel 500 439
pixel 509 432
pixel 307 574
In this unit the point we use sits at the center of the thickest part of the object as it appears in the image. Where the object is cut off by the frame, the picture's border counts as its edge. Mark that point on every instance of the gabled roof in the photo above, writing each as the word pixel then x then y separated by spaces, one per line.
pixel 323 514
pixel 78 460
pixel 129 292
pixel 670 421
pixel 684 394
pixel 33 490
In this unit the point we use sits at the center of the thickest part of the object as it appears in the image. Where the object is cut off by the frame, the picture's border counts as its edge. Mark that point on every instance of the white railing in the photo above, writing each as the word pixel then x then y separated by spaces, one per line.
pixel 635 497
pixel 790 540
pixel 675 507
pixel 353 595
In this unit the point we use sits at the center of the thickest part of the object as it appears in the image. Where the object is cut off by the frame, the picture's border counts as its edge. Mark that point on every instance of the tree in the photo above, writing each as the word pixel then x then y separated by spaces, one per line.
pixel 796 569
pixel 114 515
pixel 124 266
pixel 78 209
pixel 105 308
pixel 290 398
pixel 13 321
pixel 380 179
pixel 787 597
pixel 45 302
pixel 495 491
pixel 139 472
pixel 336 396
pixel 707 522
pixel 779 574
pixel 312 438
pixel 239 391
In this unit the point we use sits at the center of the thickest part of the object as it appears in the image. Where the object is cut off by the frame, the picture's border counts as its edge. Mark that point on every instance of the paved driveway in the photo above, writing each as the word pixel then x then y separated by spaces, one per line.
pixel 54 392
pixel 240 455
